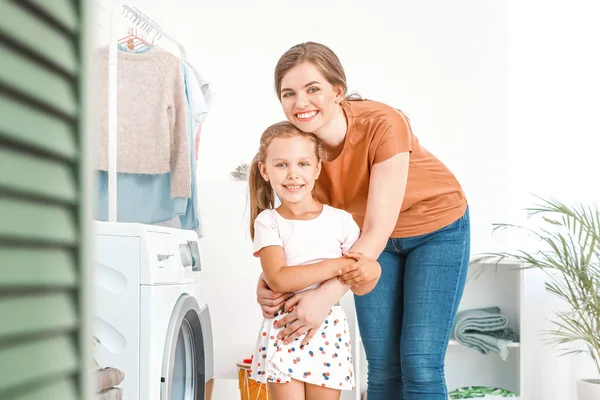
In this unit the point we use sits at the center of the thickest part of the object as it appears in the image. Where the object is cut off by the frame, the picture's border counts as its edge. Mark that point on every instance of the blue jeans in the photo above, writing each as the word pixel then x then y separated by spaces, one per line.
pixel 406 321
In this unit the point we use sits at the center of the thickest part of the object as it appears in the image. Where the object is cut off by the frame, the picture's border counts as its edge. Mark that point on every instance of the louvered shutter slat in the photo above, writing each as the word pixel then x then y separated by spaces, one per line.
pixel 64 390
pixel 37 176
pixel 60 10
pixel 35 129
pixel 36 313
pixel 28 268
pixel 26 77
pixel 40 38
pixel 39 360
pixel 37 222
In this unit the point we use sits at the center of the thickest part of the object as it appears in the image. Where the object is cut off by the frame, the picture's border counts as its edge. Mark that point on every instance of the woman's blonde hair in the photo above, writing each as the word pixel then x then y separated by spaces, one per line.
pixel 262 196
pixel 319 55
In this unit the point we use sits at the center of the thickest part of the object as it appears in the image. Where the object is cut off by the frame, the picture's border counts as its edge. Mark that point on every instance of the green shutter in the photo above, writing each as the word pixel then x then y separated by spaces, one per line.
pixel 42 213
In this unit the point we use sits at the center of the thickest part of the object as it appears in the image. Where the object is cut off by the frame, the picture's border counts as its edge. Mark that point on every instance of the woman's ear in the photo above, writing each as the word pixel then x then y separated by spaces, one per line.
pixel 263 171
pixel 339 94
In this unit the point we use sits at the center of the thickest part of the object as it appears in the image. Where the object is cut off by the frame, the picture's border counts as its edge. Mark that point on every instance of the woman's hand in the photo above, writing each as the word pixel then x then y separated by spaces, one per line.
pixel 307 311
pixel 362 271
pixel 270 301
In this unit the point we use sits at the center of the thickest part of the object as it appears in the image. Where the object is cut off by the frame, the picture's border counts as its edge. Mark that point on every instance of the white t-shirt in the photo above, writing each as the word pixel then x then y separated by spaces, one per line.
pixel 330 235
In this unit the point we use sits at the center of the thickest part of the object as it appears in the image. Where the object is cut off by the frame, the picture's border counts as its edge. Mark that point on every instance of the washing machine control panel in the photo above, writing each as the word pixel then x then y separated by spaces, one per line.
pixel 170 256
pixel 190 255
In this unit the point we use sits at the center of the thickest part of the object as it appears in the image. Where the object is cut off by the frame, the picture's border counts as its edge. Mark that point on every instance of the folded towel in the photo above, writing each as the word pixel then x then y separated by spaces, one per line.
pixel 107 378
pixel 110 394
pixel 484 329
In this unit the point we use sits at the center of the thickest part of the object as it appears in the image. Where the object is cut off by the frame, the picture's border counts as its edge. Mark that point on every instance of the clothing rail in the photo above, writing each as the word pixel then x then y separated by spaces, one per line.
pixel 145 23
pixel 150 26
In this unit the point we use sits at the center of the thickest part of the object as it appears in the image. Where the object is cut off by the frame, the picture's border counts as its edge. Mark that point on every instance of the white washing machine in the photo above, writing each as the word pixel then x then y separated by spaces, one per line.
pixel 151 319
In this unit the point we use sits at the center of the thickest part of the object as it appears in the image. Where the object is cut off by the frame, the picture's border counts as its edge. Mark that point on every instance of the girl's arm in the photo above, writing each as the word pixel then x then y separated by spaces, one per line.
pixel 282 278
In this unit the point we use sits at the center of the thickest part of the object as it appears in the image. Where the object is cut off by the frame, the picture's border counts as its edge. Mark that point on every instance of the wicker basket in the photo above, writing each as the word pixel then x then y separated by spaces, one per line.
pixel 249 388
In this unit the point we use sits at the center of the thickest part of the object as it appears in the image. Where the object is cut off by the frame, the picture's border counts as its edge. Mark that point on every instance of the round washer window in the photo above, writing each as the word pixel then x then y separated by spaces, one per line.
pixel 184 368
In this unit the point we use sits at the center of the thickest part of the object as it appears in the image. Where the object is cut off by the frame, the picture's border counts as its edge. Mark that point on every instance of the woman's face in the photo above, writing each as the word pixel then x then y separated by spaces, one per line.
pixel 308 99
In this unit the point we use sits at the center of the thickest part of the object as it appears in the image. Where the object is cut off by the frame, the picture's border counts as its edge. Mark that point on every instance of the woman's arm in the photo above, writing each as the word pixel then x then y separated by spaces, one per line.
pixel 387 185
pixel 282 278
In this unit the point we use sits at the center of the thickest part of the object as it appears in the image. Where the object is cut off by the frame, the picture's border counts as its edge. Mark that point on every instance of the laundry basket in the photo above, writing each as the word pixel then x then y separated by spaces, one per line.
pixel 249 388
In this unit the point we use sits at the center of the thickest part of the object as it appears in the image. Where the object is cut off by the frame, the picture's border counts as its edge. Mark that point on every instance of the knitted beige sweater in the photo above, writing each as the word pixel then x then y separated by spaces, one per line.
pixel 151 116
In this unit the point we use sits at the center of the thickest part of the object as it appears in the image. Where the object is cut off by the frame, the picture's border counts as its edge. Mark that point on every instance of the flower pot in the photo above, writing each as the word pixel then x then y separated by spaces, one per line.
pixel 588 389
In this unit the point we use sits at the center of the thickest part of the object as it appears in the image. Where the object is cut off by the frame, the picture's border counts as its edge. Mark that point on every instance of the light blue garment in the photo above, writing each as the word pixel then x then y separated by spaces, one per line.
pixel 140 198
pixel 207 93
pixel 144 198
pixel 198 101
pixel 197 110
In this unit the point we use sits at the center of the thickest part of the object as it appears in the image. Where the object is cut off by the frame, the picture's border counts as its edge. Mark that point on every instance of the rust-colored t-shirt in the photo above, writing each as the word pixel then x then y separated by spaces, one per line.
pixel 377 132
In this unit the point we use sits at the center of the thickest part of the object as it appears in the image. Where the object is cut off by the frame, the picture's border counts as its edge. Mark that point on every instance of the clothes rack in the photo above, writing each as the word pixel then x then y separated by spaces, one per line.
pixel 146 24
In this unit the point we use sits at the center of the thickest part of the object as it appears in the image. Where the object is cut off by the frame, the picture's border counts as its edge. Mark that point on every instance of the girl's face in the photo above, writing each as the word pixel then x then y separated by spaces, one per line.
pixel 291 167
pixel 308 99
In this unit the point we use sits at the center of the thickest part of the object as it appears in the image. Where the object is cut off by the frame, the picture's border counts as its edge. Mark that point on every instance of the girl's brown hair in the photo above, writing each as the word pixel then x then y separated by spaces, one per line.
pixel 319 55
pixel 262 196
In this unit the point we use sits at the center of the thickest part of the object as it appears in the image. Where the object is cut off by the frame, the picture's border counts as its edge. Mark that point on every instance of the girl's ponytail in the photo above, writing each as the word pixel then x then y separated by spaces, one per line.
pixel 261 193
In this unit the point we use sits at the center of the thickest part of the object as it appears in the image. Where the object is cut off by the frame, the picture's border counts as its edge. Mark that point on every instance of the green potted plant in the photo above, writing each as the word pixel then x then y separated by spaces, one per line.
pixel 569 253
pixel 241 172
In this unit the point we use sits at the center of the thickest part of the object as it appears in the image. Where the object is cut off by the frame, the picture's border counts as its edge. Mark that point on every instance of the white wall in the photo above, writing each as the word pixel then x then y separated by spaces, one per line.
pixel 491 87
pixel 553 129
pixel 554 101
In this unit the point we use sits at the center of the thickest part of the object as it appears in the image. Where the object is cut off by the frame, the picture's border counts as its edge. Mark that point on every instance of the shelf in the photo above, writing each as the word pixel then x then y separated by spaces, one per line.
pixel 453 342
pixel 456 343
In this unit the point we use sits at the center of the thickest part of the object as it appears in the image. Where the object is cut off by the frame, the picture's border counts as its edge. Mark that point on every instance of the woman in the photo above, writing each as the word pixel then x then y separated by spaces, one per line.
pixel 414 221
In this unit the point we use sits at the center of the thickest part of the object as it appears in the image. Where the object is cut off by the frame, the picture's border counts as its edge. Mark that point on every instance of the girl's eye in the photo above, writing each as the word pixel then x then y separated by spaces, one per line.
pixel 313 89
pixel 287 94
pixel 279 165
pixel 303 164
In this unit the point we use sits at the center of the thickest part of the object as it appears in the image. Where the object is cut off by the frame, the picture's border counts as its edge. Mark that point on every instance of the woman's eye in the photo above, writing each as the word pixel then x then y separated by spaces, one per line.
pixel 287 94
pixel 313 90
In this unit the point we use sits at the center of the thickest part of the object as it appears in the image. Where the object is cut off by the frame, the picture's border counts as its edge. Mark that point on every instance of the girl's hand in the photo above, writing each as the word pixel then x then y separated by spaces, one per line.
pixel 307 311
pixel 270 302
pixel 362 271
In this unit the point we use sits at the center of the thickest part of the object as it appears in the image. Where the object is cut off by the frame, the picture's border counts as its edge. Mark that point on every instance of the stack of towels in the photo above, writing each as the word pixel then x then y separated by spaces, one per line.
pixel 484 329
pixel 106 381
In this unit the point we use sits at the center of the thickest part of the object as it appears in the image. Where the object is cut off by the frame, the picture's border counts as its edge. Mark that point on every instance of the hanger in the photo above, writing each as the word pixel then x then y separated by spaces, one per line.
pixel 142 27
pixel 135 38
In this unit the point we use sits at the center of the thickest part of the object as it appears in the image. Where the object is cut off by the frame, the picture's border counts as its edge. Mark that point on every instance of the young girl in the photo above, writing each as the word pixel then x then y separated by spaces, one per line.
pixel 300 244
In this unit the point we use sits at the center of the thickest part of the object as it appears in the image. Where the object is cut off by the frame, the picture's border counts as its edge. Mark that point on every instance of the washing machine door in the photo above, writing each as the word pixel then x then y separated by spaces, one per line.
pixel 184 367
